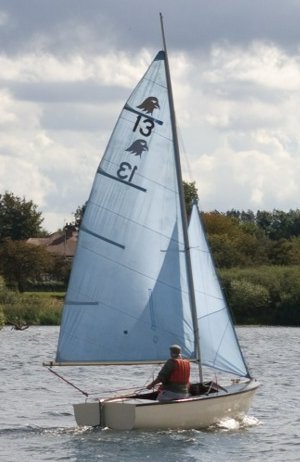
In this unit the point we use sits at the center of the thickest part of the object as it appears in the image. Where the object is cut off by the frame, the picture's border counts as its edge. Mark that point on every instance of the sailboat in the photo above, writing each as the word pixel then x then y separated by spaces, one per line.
pixel 143 278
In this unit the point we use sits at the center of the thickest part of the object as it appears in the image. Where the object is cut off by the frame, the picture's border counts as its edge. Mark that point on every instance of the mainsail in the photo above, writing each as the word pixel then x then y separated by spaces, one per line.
pixel 143 279
pixel 218 342
pixel 127 298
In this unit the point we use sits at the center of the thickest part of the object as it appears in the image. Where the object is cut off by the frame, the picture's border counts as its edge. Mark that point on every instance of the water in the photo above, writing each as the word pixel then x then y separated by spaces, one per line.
pixel 36 420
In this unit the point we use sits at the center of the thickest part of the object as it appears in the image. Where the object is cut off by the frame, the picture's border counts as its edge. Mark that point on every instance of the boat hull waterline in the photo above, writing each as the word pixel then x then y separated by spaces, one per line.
pixel 194 412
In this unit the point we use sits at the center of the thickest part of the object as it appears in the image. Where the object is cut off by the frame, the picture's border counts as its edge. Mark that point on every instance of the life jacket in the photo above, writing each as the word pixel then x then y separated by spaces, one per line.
pixel 181 373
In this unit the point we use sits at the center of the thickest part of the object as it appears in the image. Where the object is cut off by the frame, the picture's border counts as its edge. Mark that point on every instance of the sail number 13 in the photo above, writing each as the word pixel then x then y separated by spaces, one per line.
pixel 147 127
pixel 126 171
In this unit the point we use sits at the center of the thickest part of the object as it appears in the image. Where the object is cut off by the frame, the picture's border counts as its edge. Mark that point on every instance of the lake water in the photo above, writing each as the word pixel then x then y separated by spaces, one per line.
pixel 37 424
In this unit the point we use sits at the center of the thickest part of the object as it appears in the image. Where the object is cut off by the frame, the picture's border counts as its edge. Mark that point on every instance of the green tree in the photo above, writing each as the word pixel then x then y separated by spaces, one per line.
pixel 278 224
pixel 280 252
pixel 190 193
pixel 60 270
pixel 235 242
pixel 20 262
pixel 294 254
pixel 224 251
pixel 19 219
pixel 78 215
pixel 248 301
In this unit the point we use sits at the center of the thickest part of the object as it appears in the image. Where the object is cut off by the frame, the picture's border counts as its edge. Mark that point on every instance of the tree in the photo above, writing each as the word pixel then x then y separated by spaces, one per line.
pixel 235 242
pixel 20 262
pixel 224 251
pixel 278 224
pixel 248 301
pixel 280 252
pixel 78 215
pixel 19 219
pixel 218 223
pixel 190 193
pixel 60 271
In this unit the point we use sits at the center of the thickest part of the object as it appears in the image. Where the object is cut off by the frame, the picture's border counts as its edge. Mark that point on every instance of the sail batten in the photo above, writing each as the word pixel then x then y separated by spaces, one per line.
pixel 98 236
pixel 126 183
pixel 81 303
pixel 131 109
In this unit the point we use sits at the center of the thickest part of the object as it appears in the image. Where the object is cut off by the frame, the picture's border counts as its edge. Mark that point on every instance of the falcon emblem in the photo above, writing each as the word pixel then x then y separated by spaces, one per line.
pixel 138 147
pixel 149 104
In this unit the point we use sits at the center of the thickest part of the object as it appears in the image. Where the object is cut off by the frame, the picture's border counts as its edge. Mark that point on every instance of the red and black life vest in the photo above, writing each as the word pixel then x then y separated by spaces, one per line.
pixel 181 373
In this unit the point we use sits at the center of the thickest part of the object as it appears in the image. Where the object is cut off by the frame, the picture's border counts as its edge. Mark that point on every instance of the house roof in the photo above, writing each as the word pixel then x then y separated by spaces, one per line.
pixel 59 243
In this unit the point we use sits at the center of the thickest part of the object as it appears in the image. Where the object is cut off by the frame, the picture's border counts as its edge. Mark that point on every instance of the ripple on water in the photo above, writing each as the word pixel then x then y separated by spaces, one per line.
pixel 39 423
pixel 230 424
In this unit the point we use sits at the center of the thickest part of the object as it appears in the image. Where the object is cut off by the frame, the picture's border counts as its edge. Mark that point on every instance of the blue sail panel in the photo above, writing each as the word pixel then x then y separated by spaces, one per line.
pixel 127 298
pixel 218 341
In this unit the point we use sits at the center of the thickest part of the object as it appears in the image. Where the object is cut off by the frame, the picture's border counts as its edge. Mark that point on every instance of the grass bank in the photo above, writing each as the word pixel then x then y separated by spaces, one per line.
pixel 268 295
pixel 30 308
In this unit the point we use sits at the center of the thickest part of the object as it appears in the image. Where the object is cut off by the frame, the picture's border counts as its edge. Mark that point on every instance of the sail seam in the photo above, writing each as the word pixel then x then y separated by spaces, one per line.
pixel 151 278
pixel 214 297
pixel 139 225
pixel 212 313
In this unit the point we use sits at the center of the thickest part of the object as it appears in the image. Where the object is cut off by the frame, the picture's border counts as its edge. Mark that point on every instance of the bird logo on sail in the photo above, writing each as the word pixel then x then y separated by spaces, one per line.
pixel 138 147
pixel 149 104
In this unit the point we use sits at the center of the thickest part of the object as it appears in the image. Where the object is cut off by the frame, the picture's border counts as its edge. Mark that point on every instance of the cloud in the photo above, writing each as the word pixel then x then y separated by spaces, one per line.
pixel 66 72
pixel 45 106
pixel 244 147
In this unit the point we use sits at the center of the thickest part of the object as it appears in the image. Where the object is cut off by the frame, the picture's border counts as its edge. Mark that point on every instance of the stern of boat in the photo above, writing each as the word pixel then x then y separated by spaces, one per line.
pixel 88 413
pixel 207 405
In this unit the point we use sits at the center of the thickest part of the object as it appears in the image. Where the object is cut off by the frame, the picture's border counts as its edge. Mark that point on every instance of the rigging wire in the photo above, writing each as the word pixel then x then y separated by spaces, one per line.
pixel 68 382
pixel 132 390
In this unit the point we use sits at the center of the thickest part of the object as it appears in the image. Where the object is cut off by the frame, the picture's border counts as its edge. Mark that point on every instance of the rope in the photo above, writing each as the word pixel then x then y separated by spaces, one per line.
pixel 133 391
pixel 67 381
pixel 117 390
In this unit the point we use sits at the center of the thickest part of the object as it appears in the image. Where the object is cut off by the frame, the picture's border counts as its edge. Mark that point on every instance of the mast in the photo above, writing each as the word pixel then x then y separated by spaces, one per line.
pixel 182 205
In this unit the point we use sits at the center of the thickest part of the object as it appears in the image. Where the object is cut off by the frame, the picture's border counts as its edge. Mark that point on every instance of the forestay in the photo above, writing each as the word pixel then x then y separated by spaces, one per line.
pixel 127 298
pixel 218 342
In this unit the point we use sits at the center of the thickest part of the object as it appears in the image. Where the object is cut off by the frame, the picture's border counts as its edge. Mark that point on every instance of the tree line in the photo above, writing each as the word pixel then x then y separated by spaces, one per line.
pixel 22 265
pixel 242 239
pixel 246 246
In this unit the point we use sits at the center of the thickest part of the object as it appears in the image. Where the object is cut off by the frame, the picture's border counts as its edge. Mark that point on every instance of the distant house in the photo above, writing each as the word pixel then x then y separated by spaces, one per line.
pixel 61 243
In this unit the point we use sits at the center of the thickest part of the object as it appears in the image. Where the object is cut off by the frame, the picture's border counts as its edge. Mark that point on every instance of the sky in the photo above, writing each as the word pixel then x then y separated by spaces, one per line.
pixel 68 66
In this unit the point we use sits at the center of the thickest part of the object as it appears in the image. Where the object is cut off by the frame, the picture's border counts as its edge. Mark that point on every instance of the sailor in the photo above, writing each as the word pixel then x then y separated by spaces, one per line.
pixel 174 377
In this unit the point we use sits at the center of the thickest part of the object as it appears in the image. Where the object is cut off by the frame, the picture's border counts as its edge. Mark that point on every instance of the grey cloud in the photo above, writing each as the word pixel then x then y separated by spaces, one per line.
pixel 61 26
pixel 87 91
pixel 74 117
pixel 63 110
pixel 242 90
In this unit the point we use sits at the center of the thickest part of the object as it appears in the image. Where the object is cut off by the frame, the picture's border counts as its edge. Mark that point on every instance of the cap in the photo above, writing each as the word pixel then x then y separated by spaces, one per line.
pixel 175 348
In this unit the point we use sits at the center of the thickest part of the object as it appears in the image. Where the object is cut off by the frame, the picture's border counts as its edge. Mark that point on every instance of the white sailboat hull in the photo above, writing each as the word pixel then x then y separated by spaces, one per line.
pixel 194 412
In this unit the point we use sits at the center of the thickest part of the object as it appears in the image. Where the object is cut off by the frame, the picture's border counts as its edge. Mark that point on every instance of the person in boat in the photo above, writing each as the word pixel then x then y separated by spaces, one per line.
pixel 174 377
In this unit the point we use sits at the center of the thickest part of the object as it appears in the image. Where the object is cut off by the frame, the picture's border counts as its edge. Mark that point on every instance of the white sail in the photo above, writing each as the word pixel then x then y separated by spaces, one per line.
pixel 127 298
pixel 218 342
